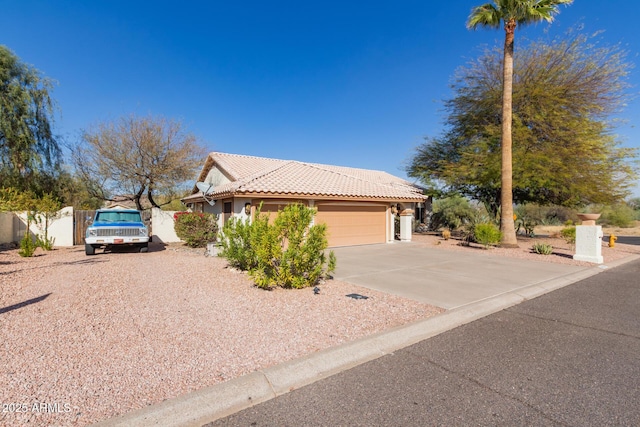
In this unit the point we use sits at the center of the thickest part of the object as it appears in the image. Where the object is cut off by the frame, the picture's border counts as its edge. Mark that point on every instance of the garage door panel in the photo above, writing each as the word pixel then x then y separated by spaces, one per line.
pixel 353 225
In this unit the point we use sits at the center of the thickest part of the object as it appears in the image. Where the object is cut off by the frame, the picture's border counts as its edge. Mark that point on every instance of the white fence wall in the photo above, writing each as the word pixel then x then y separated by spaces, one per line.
pixel 60 228
pixel 13 225
pixel 6 227
pixel 162 226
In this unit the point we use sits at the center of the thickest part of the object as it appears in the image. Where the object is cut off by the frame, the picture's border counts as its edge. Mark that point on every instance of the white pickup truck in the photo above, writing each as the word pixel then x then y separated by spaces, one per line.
pixel 116 227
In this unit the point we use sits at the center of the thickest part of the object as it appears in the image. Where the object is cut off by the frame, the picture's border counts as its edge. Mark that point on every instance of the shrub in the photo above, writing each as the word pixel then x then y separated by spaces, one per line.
pixel 196 229
pixel 569 234
pixel 621 215
pixel 45 243
pixel 289 253
pixel 235 241
pixel 27 245
pixel 542 248
pixel 487 234
pixel 468 232
pixel 526 218
pixel 451 213
pixel 446 234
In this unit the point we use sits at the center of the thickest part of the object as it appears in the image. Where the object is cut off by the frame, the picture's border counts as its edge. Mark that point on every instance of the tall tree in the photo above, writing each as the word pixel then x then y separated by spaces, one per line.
pixel 512 13
pixel 137 156
pixel 28 148
pixel 565 96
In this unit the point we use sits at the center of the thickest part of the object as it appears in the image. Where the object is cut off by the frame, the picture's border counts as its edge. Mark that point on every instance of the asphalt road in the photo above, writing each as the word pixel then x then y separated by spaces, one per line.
pixel 568 358
pixel 627 240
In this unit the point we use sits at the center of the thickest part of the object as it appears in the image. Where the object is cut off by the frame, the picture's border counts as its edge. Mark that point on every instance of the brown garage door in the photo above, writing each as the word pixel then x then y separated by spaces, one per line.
pixel 353 225
pixel 272 208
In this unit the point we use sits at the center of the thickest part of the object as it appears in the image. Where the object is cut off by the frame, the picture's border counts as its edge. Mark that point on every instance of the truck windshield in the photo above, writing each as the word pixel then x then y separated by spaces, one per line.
pixel 118 217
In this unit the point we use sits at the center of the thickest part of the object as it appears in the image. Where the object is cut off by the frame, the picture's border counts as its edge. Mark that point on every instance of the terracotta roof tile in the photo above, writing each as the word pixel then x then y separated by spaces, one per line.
pixel 288 177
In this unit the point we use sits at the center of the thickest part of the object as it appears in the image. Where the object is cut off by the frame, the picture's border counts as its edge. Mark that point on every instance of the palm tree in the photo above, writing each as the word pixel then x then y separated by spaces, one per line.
pixel 513 13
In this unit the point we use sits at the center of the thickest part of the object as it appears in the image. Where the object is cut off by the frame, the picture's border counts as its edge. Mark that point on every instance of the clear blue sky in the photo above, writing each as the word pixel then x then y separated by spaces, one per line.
pixel 351 83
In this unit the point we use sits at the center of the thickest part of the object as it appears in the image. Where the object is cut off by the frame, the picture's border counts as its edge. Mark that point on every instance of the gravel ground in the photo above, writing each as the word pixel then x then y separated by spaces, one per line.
pixel 562 251
pixel 84 338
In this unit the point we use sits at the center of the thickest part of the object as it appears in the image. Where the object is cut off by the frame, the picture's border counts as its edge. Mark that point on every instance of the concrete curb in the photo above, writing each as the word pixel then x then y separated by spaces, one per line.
pixel 218 401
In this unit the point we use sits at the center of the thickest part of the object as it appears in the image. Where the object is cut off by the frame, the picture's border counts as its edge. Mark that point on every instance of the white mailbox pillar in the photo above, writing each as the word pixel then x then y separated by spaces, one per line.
pixel 406 221
pixel 589 243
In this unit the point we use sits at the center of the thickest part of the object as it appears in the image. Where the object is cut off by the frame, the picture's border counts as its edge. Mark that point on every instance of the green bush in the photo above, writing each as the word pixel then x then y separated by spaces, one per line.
pixel 235 243
pixel 530 215
pixel 487 234
pixel 569 234
pixel 27 245
pixel 621 215
pixel 478 216
pixel 451 213
pixel 542 248
pixel 196 229
pixel 289 253
pixel 45 243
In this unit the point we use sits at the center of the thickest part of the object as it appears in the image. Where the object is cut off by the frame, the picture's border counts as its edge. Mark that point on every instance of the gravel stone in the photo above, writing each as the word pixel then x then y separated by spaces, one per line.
pixel 85 338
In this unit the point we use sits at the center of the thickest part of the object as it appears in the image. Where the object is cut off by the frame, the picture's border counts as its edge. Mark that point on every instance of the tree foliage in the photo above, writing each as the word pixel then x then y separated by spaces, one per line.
pixel 29 151
pixel 512 13
pixel 565 95
pixel 134 156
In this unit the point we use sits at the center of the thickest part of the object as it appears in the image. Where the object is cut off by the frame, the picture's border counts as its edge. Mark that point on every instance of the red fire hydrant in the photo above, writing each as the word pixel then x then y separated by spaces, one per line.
pixel 612 241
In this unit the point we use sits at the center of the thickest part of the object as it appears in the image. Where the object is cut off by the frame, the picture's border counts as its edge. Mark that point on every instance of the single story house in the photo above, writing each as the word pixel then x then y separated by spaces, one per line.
pixel 359 206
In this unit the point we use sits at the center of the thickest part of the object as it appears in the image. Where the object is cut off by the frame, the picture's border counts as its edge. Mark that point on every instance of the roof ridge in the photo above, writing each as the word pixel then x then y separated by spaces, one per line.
pixel 223 161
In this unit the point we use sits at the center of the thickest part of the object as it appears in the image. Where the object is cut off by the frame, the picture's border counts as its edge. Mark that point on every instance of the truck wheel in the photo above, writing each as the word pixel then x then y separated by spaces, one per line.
pixel 89 249
pixel 144 248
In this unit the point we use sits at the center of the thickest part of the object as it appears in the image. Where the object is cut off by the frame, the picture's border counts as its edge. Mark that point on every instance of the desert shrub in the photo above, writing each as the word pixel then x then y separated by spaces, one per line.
pixel 569 234
pixel 236 243
pixel 467 232
pixel 620 215
pixel 542 248
pixel 45 243
pixel 451 212
pixel 558 215
pixel 289 253
pixel 196 229
pixel 27 245
pixel 527 217
pixel 446 234
pixel 487 234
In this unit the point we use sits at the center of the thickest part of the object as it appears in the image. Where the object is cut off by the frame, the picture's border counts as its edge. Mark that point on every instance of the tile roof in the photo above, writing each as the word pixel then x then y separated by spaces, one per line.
pixel 251 175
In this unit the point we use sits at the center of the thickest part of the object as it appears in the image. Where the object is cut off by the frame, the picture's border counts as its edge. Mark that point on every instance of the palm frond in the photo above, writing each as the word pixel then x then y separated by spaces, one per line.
pixel 484 16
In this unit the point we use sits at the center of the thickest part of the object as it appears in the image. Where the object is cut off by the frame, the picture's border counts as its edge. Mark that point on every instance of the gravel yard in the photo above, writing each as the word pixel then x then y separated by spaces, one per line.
pixel 562 251
pixel 84 338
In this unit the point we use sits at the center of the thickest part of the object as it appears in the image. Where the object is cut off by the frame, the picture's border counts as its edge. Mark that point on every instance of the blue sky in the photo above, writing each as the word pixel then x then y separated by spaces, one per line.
pixel 348 83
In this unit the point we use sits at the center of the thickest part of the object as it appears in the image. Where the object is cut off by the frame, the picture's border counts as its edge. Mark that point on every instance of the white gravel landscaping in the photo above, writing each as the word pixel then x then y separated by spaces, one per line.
pixel 85 338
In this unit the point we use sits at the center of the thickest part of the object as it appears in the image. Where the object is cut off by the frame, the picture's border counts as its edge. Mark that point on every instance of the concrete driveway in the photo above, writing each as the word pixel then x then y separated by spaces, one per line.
pixel 442 278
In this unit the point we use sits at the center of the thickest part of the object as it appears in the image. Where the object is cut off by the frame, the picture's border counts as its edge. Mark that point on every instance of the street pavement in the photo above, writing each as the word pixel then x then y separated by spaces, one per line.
pixel 567 358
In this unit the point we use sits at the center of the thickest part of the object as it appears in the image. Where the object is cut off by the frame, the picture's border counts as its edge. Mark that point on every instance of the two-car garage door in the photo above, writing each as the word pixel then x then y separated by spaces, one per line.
pixel 347 224
pixel 353 224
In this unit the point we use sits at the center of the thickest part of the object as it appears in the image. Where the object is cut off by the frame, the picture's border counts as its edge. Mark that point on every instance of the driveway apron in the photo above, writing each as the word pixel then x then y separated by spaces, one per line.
pixel 446 279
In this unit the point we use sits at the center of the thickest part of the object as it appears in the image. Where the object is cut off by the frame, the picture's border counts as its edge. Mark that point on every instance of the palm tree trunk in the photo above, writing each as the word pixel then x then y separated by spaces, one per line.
pixel 507 226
